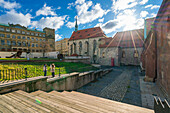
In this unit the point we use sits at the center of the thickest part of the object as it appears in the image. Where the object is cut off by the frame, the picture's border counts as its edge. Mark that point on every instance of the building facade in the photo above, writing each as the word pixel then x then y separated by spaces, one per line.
pixel 15 38
pixel 124 48
pixel 162 35
pixel 148 56
pixel 62 46
pixel 86 43
pixel 157 49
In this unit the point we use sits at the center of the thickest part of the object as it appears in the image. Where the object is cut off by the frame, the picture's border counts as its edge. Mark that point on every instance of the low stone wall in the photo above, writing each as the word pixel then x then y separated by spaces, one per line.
pixel 86 61
pixel 29 85
pixel 71 81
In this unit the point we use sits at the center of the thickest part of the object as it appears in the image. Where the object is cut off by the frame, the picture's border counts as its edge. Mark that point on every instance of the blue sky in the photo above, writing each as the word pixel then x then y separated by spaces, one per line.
pixel 111 15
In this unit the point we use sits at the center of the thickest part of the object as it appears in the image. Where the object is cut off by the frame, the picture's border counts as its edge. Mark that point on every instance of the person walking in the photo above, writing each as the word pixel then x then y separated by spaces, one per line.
pixel 52 70
pixel 45 69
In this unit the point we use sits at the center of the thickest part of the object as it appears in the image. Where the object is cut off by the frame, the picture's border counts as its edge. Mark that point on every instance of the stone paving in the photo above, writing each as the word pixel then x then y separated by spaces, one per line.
pixel 117 89
pixel 148 89
pixel 133 94
pixel 124 84
pixel 112 86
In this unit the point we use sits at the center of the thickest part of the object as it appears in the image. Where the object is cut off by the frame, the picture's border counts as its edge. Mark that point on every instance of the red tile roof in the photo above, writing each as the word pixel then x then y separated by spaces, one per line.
pixel 133 38
pixel 87 33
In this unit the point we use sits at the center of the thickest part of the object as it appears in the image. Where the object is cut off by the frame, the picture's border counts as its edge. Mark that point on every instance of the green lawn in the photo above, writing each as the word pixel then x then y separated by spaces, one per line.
pixel 13 71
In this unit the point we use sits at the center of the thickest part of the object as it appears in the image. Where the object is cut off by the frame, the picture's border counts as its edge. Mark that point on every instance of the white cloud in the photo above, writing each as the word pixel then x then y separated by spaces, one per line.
pixel 153 14
pixel 152 6
pixel 45 10
pixel 59 7
pixel 16 18
pixel 147 6
pixel 70 5
pixel 155 6
pixel 70 24
pixel 144 13
pixel 51 22
pixel 143 2
pixel 87 12
pixel 79 1
pixel 58 37
pixel 9 5
pixel 123 4
pixel 101 20
pixel 125 20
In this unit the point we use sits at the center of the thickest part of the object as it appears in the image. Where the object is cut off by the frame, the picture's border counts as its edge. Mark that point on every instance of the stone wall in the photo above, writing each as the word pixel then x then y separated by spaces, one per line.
pixel 129 58
pixel 32 55
pixel 84 48
pixel 71 81
pixel 29 85
pixel 108 54
pixel 162 31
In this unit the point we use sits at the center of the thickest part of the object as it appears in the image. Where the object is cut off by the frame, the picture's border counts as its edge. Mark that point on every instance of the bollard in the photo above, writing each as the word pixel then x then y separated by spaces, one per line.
pixel 25 73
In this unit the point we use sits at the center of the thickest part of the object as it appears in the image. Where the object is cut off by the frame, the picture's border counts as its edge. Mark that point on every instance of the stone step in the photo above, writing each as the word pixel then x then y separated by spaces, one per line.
pixel 18 105
pixel 71 103
pixel 6 108
pixel 88 102
pixel 109 104
pixel 53 106
pixel 25 101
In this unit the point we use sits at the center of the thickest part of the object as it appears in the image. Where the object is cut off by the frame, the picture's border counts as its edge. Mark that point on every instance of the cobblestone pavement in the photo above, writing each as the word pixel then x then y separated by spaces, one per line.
pixel 148 89
pixel 113 86
pixel 124 84
pixel 133 94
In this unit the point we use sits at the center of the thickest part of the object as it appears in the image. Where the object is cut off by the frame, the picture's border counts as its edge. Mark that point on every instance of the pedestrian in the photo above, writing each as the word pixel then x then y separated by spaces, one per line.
pixel 45 69
pixel 52 70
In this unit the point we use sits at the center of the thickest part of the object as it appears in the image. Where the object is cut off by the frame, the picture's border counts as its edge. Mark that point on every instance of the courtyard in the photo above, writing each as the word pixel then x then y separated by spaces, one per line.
pixel 124 84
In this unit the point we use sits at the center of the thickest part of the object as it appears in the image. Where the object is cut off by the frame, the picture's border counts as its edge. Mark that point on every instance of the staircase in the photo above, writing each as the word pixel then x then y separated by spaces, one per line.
pixel 60 102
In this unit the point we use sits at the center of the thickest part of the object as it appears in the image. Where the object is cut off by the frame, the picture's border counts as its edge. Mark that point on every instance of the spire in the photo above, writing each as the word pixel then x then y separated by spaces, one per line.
pixel 76 26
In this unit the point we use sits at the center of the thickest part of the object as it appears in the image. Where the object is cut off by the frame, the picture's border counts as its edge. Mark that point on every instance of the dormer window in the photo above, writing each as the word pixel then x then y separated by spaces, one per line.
pixel 36 34
pixel 23 32
pixel 7 29
pixel 80 36
pixel 18 31
pixel 88 35
pixel 13 30
pixel 1 29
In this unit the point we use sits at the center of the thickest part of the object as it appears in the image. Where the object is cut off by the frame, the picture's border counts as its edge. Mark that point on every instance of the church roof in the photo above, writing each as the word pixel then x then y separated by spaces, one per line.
pixel 87 33
pixel 125 39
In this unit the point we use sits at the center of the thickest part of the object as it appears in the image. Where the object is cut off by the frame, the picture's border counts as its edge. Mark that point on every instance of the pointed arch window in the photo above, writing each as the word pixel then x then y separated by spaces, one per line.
pixel 136 54
pixel 123 54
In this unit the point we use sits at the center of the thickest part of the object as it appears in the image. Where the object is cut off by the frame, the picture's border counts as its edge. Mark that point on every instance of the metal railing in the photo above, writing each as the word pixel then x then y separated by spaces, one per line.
pixel 24 73
pixel 161 106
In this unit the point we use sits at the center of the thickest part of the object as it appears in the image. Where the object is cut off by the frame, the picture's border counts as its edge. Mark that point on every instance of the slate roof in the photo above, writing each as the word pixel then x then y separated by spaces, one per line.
pixel 125 39
pixel 87 33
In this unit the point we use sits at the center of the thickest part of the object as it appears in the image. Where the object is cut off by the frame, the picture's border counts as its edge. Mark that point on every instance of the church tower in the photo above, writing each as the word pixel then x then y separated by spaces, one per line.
pixel 76 26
